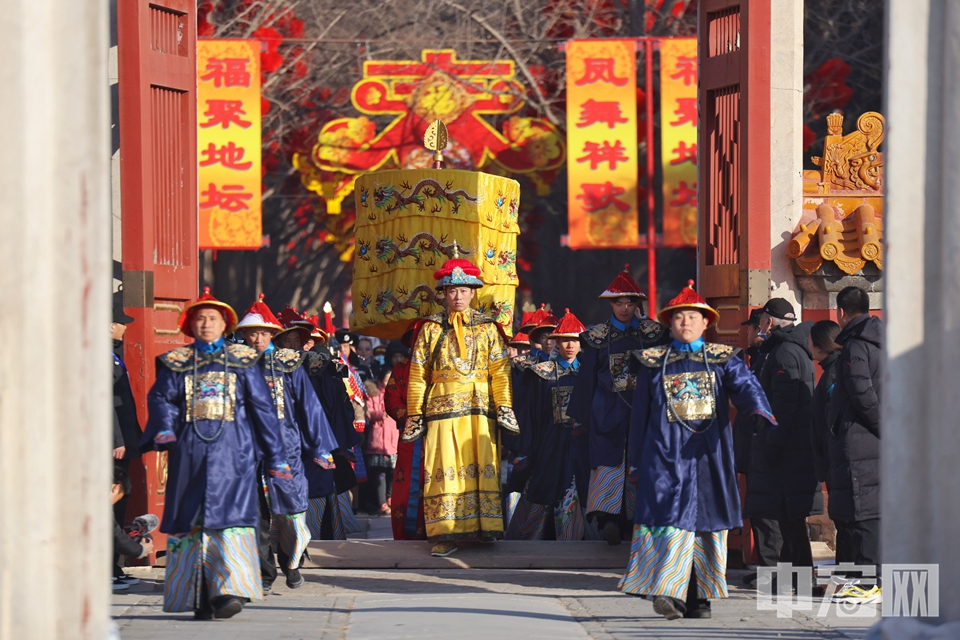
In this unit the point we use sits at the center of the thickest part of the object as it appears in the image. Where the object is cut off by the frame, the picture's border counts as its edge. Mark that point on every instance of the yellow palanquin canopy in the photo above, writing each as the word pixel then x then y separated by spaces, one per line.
pixel 408 222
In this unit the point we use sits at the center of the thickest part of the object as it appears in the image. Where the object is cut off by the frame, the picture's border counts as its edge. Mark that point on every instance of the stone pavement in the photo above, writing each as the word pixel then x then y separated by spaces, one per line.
pixel 492 604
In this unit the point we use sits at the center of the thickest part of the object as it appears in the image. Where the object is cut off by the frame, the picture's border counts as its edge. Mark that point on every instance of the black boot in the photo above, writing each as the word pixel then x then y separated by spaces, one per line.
pixel 226 607
pixel 696 607
pixel 669 608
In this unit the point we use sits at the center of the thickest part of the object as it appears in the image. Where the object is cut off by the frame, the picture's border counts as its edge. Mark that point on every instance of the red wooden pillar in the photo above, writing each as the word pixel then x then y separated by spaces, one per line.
pixel 734 170
pixel 157 43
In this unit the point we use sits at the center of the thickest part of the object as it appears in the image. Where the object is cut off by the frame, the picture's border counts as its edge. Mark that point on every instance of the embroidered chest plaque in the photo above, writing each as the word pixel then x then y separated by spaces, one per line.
pixel 561 398
pixel 690 396
pixel 214 397
pixel 276 393
pixel 622 378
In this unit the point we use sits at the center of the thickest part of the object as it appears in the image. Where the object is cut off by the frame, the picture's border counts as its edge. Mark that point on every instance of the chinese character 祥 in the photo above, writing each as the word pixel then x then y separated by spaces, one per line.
pixel 600 196
pixel 687 69
pixel 685 196
pixel 228 72
pixel 223 112
pixel 592 111
pixel 601 69
pixel 683 153
pixel 229 155
pixel 686 112
pixel 231 198
pixel 597 154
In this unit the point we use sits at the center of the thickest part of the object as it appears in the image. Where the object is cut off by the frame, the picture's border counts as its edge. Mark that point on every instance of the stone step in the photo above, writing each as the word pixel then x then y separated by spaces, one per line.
pixel 504 554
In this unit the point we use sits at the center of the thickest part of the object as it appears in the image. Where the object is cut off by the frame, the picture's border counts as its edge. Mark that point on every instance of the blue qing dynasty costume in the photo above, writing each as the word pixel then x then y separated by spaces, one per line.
pixel 306 438
pixel 602 396
pixel 681 454
pixel 211 409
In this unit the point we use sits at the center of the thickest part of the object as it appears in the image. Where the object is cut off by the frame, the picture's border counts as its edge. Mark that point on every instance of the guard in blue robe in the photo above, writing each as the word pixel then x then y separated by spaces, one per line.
pixel 601 400
pixel 210 410
pixel 681 456
pixel 308 443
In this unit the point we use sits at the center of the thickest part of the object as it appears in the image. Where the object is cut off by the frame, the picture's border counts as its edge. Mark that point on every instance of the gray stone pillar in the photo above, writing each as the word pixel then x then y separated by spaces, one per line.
pixel 921 403
pixel 786 142
pixel 55 519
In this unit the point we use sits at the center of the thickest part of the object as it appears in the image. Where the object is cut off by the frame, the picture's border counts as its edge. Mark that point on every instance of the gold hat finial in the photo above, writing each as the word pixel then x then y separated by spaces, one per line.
pixel 456 248
pixel 435 139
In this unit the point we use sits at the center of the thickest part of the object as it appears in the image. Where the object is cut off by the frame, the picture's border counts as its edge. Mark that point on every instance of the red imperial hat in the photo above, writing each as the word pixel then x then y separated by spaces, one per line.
pixel 259 316
pixel 568 327
pixel 689 299
pixel 293 321
pixel 624 286
pixel 536 319
pixel 520 340
pixel 457 272
pixel 316 332
pixel 206 300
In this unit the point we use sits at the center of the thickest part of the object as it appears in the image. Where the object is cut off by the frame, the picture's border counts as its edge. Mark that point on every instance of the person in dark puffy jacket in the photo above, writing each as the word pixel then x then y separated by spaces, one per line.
pixel 825 352
pixel 782 487
pixel 854 419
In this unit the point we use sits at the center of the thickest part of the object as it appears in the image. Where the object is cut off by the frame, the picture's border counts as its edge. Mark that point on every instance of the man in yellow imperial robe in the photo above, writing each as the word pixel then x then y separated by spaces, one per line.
pixel 459 391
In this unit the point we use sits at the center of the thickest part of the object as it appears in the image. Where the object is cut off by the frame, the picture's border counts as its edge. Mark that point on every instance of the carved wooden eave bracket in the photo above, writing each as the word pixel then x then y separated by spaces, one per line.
pixel 843 217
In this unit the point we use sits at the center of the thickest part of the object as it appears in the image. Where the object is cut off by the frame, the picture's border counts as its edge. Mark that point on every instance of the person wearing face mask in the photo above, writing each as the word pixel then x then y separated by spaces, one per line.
pixel 211 410
pixel 681 455
pixel 458 393
pixel 601 401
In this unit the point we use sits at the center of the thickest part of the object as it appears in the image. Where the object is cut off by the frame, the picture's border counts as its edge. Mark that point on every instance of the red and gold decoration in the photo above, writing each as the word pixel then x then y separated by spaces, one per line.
pixel 678 127
pixel 228 136
pixel 416 93
pixel 410 222
pixel 842 218
pixel 602 140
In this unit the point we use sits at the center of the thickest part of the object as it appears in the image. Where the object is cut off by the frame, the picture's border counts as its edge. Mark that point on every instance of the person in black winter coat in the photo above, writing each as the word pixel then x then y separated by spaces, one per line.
pixel 825 352
pixel 854 419
pixel 743 425
pixel 126 423
pixel 782 487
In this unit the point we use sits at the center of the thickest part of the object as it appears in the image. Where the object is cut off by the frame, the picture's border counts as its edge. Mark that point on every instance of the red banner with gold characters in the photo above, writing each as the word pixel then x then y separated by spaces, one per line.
pixel 228 135
pixel 602 144
pixel 678 127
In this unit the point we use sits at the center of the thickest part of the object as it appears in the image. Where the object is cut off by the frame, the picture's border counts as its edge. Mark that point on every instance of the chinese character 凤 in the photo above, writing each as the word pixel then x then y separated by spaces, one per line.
pixel 683 153
pixel 685 196
pixel 229 155
pixel 601 69
pixel 231 198
pixel 224 112
pixel 686 112
pixel 597 154
pixel 592 111
pixel 687 69
pixel 228 72
pixel 600 196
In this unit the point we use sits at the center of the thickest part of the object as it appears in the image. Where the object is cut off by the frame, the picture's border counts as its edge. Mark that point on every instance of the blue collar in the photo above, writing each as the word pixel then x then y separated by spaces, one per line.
pixel 270 347
pixel 209 347
pixel 536 352
pixel 696 345
pixel 575 365
pixel 623 327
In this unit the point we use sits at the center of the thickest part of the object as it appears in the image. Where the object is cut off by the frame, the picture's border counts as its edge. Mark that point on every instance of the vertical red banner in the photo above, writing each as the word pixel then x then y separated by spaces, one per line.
pixel 229 141
pixel 602 144
pixel 678 127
